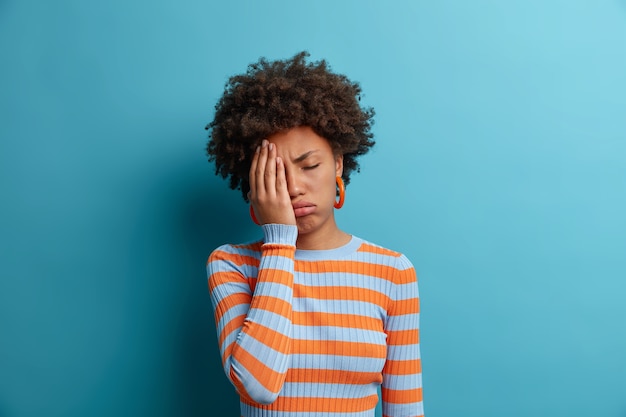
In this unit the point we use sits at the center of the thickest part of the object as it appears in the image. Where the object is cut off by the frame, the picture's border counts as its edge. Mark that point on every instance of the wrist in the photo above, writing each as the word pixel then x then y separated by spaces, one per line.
pixel 280 233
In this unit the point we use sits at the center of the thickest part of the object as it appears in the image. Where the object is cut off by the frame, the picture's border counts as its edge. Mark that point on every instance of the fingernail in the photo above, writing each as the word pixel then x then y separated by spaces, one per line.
pixel 258 149
pixel 264 143
pixel 271 146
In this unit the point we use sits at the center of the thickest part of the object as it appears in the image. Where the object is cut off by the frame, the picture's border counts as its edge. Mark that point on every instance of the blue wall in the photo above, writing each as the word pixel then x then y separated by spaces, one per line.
pixel 500 170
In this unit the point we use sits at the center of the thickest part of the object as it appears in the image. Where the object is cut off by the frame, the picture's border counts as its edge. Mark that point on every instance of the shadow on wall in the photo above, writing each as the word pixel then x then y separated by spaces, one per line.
pixel 209 217
pixel 181 217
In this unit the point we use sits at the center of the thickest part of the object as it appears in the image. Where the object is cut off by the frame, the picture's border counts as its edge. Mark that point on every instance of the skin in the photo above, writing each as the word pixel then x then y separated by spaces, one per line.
pixel 292 181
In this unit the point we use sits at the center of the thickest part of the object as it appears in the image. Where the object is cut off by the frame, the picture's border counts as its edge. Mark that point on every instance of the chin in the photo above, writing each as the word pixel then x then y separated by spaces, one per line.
pixel 305 225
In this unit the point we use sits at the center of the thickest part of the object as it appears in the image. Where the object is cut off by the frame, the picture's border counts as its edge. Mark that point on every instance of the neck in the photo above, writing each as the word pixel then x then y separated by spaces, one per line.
pixel 330 238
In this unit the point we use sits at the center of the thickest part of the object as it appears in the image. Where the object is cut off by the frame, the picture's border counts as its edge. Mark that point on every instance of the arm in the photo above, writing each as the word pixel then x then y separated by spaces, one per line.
pixel 254 326
pixel 402 374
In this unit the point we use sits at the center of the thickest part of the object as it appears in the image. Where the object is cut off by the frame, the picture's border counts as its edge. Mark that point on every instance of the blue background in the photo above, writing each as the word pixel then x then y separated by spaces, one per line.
pixel 500 170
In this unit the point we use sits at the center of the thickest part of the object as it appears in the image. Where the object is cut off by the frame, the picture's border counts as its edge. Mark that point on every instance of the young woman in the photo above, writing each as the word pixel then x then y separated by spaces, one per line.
pixel 310 319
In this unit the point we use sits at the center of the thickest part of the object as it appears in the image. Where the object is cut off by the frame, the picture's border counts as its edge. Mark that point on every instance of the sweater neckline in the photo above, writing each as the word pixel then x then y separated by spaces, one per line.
pixel 328 254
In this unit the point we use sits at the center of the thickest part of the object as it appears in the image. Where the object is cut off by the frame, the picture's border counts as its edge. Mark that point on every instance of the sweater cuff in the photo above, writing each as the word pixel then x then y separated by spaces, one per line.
pixel 280 233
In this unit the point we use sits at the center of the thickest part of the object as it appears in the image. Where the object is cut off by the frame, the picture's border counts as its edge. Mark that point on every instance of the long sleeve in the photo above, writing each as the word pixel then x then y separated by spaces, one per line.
pixel 402 374
pixel 252 301
pixel 314 333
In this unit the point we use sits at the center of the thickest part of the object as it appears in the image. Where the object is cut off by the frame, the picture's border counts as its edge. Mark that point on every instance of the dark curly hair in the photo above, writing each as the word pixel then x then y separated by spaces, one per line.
pixel 274 96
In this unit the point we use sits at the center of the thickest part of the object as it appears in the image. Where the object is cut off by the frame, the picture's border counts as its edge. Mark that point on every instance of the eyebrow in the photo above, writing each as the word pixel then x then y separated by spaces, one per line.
pixel 304 156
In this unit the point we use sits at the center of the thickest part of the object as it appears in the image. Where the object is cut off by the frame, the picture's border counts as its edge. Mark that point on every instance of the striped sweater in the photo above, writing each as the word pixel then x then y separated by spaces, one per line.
pixel 314 333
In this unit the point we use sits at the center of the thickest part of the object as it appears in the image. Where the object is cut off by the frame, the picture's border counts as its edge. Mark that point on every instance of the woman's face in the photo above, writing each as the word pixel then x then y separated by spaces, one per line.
pixel 311 170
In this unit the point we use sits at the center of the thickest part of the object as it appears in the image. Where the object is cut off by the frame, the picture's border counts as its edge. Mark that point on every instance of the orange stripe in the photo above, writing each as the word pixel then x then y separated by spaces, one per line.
pixel 270 379
pixel 402 396
pixel 278 249
pixel 271 338
pixel 332 376
pixel 342 293
pixel 406 276
pixel 378 250
pixel 231 326
pixel 227 352
pixel 275 275
pixel 355 267
pixel 223 277
pixel 402 307
pixel 352 321
pixel 235 258
pixel 403 337
pixel 407 367
pixel 334 347
pixel 272 304
pixel 320 405
pixel 255 246
pixel 226 303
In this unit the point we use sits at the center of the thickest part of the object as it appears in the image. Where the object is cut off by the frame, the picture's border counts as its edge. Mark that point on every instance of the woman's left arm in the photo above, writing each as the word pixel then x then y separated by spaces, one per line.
pixel 402 374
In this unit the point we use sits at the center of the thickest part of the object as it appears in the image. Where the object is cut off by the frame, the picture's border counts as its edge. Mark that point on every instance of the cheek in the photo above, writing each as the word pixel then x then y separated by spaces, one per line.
pixel 323 183
pixel 330 185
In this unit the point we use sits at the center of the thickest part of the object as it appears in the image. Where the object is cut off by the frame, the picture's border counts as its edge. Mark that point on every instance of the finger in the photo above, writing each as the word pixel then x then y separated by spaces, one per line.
pixel 259 172
pixel 270 170
pixel 253 166
pixel 281 177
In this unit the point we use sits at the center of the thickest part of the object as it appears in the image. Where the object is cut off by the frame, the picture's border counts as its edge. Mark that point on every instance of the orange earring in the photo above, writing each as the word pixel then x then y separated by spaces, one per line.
pixel 254 219
pixel 342 193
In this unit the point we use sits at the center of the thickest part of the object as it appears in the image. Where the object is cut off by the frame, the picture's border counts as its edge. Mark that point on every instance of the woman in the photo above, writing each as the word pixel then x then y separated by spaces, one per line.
pixel 310 319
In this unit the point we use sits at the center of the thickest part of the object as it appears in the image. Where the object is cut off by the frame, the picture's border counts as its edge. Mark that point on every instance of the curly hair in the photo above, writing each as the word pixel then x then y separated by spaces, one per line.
pixel 274 96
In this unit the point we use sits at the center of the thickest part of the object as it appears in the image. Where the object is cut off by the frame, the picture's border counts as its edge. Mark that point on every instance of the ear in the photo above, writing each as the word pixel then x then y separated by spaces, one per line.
pixel 338 165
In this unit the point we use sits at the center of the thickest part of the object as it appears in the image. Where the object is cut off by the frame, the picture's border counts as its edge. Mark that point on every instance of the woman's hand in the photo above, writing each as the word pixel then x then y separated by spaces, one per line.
pixel 268 187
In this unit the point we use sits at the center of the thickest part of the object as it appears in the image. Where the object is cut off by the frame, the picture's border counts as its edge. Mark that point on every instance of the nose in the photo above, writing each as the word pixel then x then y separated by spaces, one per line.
pixel 294 185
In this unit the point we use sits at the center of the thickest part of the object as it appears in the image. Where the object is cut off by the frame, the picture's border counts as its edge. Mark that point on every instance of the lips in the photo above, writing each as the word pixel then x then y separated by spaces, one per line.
pixel 303 208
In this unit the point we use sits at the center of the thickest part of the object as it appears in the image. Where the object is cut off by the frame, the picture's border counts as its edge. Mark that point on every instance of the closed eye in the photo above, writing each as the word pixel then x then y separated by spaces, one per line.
pixel 311 167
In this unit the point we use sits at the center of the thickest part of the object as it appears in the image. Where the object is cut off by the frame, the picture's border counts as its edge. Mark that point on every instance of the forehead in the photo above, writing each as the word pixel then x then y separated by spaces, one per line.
pixel 298 140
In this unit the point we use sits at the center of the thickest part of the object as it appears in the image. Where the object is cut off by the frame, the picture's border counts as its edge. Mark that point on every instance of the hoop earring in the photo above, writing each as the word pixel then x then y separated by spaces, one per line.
pixel 254 219
pixel 342 193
